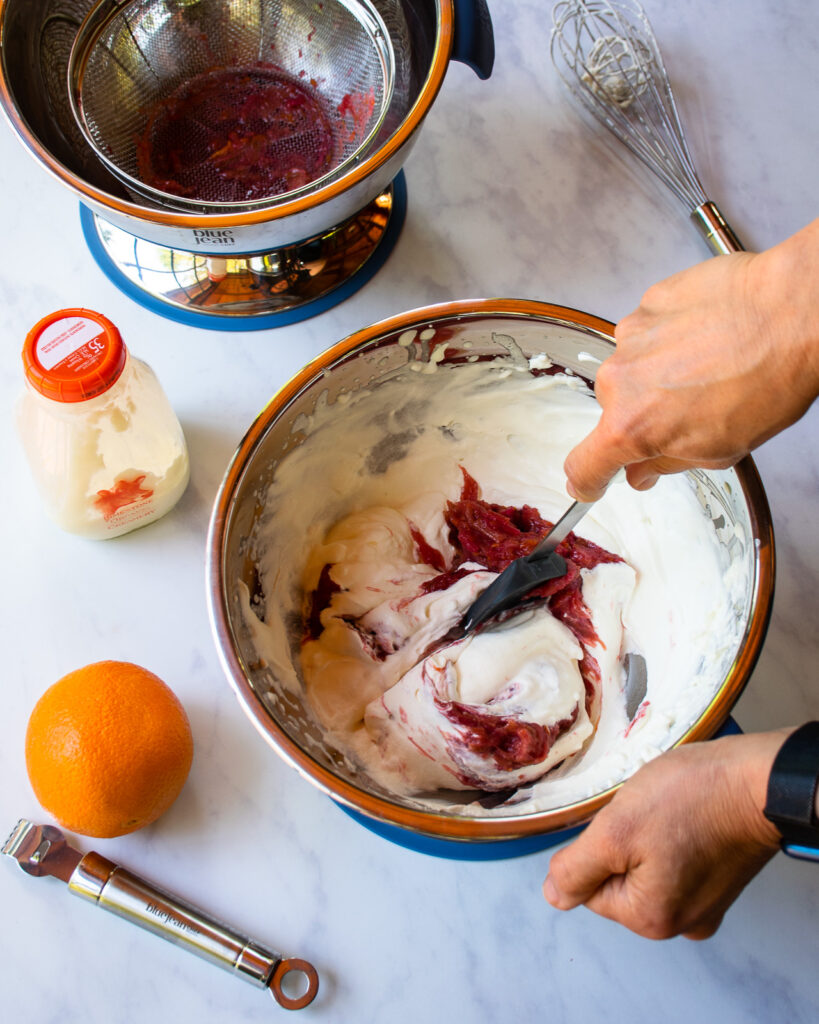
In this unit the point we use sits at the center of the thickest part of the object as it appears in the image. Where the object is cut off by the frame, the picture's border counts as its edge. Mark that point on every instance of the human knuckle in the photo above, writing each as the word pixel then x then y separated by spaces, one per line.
pixel 656 927
pixel 656 295
pixel 618 830
pixel 658 919
pixel 703 931
pixel 563 870
pixel 608 377
pixel 628 326
pixel 614 830
pixel 624 434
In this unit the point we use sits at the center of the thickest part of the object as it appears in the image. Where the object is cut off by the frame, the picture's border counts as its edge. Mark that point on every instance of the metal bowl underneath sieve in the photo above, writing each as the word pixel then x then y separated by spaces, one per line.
pixel 224 105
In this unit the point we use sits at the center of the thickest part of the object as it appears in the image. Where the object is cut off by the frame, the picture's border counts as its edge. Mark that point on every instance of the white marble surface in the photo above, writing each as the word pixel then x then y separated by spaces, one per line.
pixel 510 194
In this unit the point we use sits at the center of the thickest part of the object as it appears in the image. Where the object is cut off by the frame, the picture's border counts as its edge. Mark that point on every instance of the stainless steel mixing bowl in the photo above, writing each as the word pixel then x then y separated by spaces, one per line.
pixel 733 500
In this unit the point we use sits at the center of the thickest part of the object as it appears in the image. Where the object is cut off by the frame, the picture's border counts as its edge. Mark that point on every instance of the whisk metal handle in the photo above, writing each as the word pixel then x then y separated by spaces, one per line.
pixel 716 230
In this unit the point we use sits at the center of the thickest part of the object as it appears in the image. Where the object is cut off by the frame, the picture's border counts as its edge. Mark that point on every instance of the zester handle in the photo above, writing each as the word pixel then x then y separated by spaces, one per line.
pixel 716 230
pixel 113 888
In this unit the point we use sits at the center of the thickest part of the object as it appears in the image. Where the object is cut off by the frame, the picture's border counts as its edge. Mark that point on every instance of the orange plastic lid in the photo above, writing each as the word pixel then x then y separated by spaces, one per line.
pixel 73 355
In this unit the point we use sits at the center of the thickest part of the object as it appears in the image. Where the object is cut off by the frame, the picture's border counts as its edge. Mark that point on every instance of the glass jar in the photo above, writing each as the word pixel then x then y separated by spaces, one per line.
pixel 104 445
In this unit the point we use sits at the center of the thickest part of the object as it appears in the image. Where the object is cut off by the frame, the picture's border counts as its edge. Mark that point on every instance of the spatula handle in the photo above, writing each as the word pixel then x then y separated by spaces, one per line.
pixel 561 530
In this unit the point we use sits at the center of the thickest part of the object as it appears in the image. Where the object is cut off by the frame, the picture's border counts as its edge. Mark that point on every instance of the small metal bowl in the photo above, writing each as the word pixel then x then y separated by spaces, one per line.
pixel 733 500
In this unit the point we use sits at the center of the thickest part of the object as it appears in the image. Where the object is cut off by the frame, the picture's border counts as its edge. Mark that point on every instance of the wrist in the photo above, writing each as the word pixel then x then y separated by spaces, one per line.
pixel 783 290
pixel 764 748
pixel 792 792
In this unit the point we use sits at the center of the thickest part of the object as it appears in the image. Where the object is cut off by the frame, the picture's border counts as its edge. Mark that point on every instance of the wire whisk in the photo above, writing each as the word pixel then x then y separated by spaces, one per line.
pixel 609 59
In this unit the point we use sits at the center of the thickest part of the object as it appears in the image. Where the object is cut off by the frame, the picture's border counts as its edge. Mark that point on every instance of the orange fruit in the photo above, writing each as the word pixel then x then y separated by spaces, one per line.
pixel 108 748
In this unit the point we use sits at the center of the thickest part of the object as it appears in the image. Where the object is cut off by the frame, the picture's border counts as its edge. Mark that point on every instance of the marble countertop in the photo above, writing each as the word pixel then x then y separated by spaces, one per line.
pixel 510 194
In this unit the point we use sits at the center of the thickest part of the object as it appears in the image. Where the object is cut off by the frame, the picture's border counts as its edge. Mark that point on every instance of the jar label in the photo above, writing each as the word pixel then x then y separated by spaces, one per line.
pixel 127 500
pixel 73 343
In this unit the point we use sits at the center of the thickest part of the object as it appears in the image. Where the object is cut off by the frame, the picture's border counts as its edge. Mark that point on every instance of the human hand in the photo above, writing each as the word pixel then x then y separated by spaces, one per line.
pixel 677 843
pixel 714 361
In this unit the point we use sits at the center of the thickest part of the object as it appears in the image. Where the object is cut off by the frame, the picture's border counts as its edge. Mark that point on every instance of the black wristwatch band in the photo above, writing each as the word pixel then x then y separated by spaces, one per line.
pixel 790 803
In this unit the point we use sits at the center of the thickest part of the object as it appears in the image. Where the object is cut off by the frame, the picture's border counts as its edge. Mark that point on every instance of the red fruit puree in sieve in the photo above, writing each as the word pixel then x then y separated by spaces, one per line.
pixel 237 134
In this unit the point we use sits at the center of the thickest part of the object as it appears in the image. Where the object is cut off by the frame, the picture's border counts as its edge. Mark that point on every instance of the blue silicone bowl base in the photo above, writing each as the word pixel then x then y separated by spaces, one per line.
pixel 282 318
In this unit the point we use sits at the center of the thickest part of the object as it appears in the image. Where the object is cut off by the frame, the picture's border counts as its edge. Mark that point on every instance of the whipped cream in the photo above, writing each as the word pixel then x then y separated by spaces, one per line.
pixel 379 463
pixel 524 671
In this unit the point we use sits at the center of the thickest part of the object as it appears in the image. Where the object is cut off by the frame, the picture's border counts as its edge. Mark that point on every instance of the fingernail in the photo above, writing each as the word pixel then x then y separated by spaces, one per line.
pixel 550 891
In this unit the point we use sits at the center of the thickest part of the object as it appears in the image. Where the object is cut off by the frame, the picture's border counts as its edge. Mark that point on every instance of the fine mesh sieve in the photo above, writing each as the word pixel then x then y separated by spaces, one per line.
pixel 223 104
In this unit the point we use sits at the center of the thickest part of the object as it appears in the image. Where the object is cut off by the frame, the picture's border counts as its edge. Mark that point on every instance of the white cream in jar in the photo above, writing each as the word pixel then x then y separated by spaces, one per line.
pixel 104 445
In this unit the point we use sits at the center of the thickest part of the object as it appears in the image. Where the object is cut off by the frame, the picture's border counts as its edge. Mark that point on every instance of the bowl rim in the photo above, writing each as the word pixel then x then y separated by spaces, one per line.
pixel 464 828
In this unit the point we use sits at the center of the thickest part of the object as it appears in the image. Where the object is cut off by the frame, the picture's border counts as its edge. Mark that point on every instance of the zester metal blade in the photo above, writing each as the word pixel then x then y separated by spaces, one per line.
pixel 41 850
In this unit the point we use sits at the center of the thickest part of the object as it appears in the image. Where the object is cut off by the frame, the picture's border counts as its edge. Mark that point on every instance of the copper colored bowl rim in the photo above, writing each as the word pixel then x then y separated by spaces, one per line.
pixel 452 826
